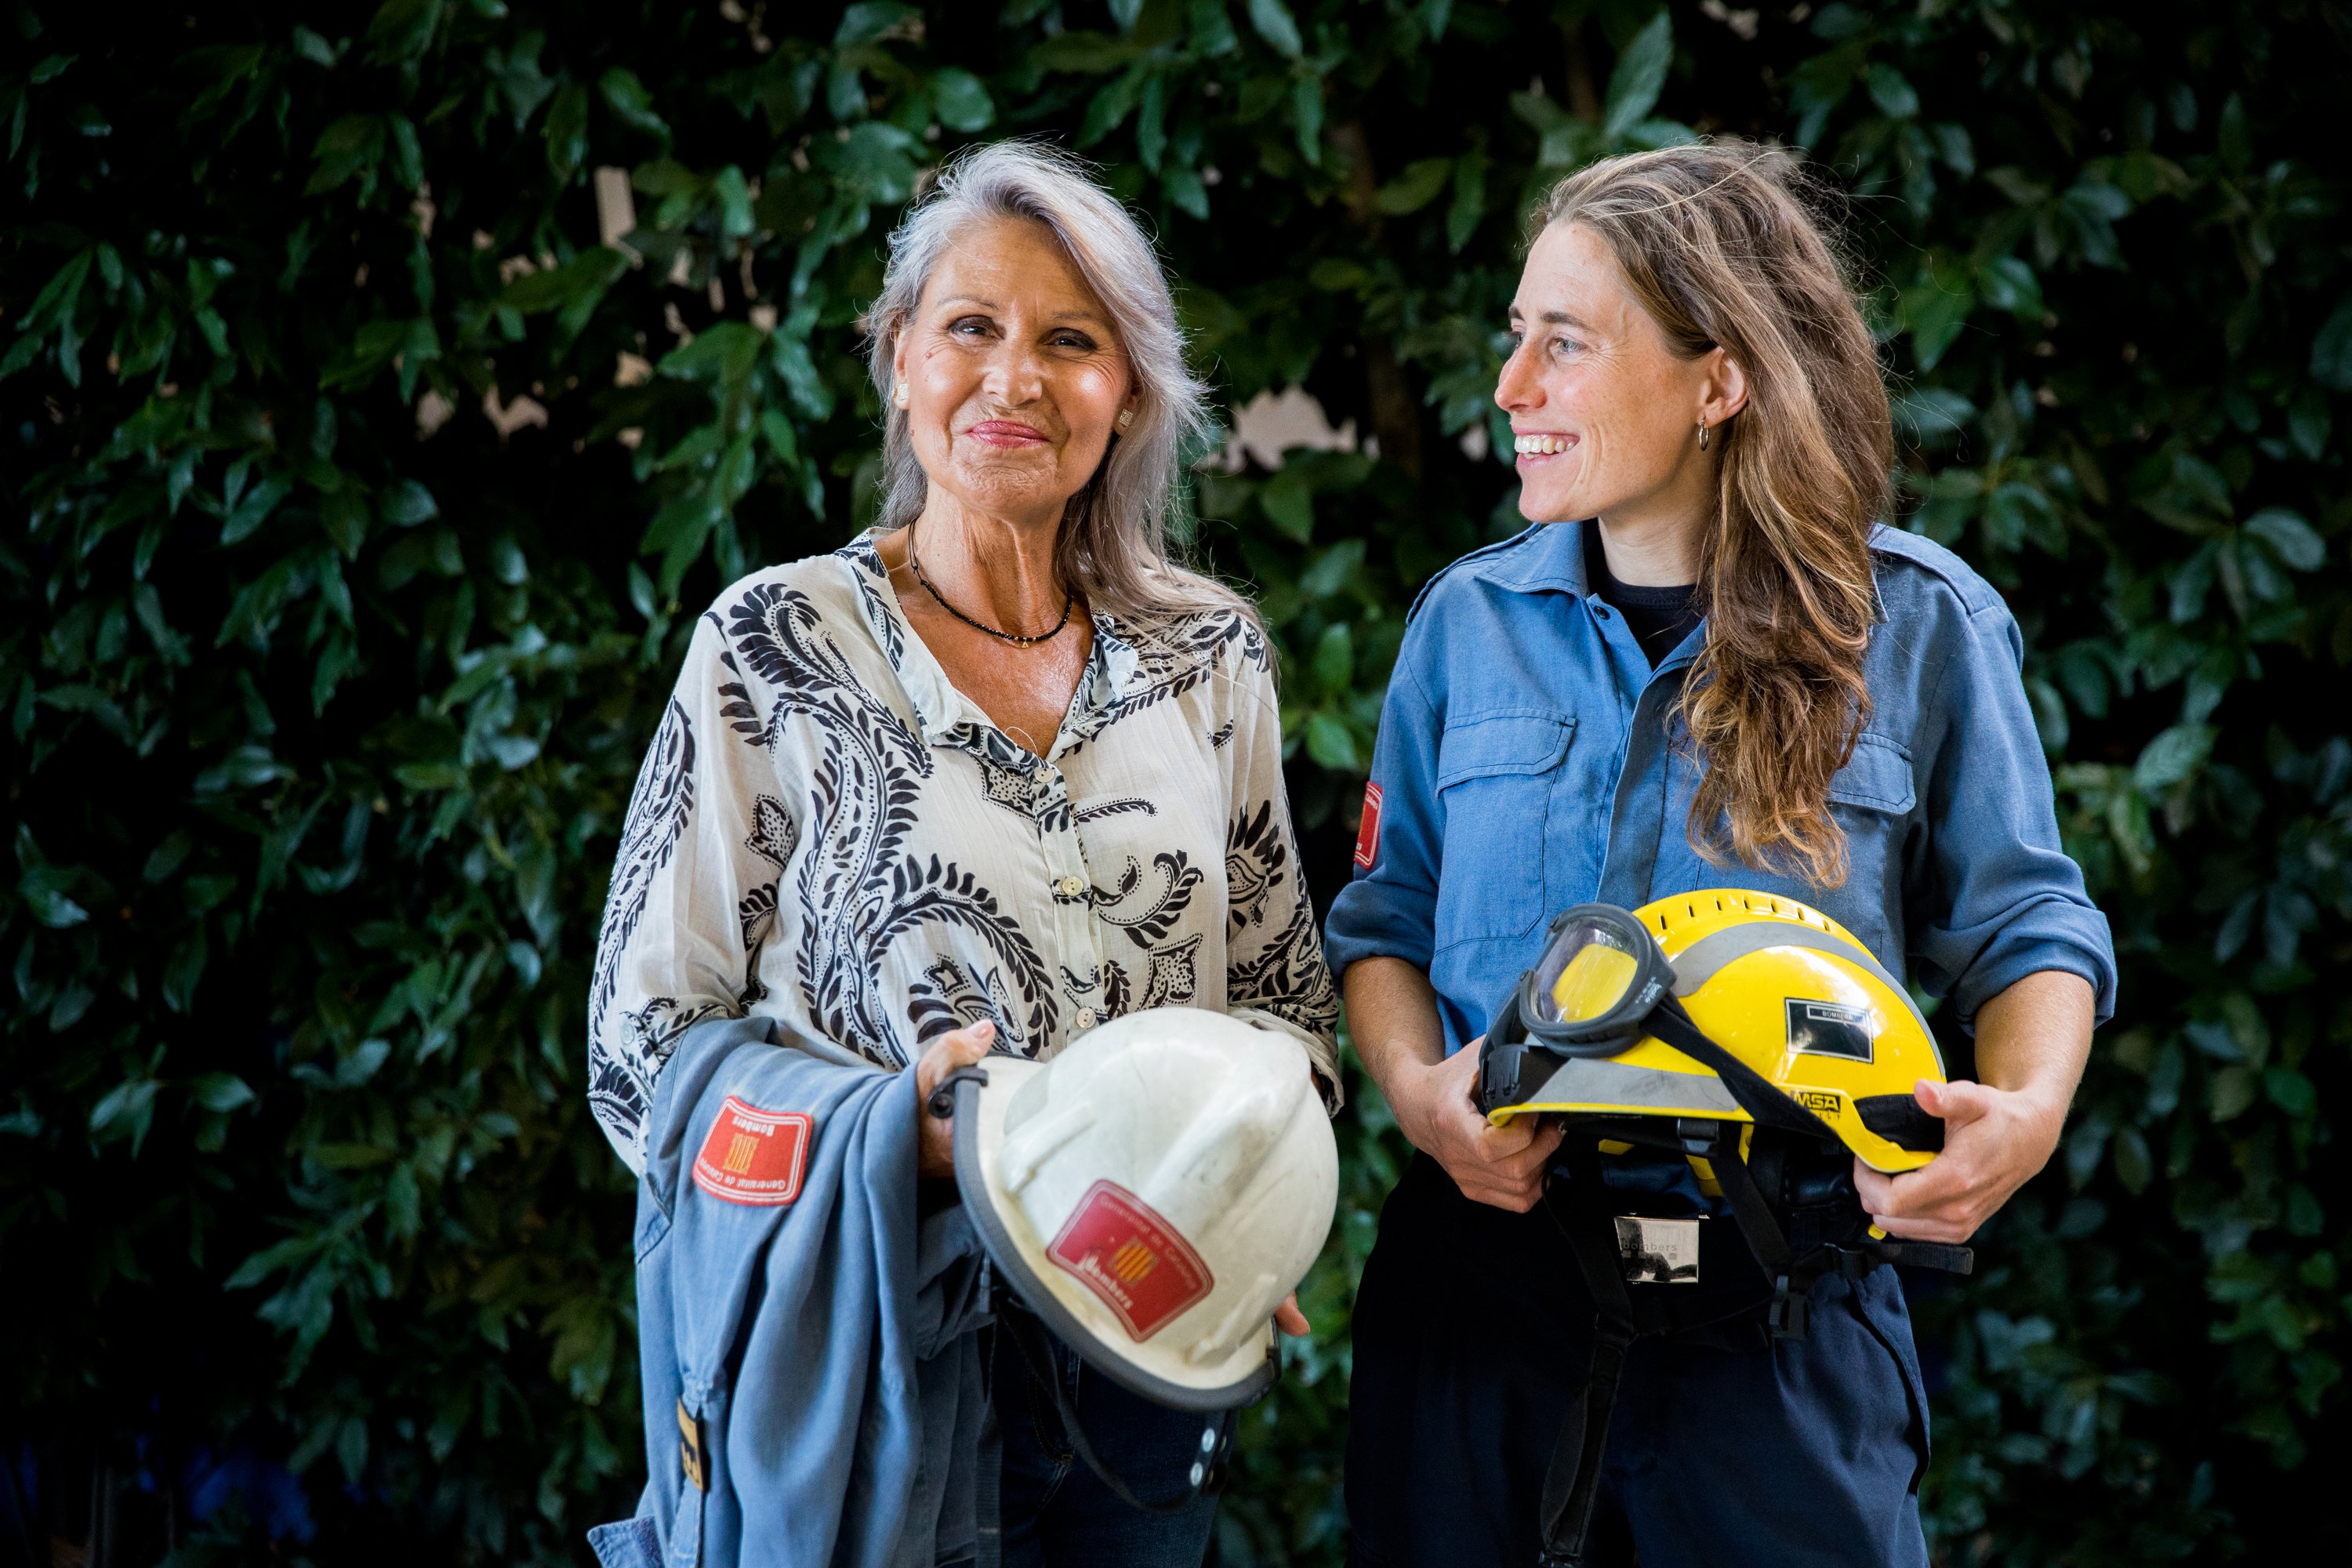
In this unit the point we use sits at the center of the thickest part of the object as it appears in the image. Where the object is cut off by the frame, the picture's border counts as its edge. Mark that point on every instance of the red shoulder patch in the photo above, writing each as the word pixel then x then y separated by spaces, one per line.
pixel 1140 1265
pixel 1367 836
pixel 754 1156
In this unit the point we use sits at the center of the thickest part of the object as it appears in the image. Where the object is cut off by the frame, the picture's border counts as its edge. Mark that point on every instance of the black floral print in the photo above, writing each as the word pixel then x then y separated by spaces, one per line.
pixel 827 833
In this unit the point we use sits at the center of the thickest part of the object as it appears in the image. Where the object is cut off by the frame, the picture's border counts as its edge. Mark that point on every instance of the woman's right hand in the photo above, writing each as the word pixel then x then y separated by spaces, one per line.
pixel 1502 1166
pixel 935 1153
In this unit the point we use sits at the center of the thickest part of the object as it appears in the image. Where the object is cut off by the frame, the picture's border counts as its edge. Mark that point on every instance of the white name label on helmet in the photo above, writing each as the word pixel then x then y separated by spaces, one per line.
pixel 1831 1029
pixel 1658 1251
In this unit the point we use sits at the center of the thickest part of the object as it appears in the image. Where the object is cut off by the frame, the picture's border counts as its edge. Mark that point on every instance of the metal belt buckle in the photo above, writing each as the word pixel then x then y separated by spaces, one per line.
pixel 1658 1251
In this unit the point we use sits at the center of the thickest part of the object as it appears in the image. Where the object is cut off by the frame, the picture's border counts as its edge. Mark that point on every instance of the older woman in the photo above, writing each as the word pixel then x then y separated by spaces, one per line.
pixel 993 773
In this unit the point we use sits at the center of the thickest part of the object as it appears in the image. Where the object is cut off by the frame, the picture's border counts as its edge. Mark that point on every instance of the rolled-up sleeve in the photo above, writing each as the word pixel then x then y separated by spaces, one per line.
pixel 1389 908
pixel 2006 900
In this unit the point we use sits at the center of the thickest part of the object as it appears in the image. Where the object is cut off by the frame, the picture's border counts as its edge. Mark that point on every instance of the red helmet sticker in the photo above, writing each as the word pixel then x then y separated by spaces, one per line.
pixel 754 1156
pixel 1367 836
pixel 1138 1263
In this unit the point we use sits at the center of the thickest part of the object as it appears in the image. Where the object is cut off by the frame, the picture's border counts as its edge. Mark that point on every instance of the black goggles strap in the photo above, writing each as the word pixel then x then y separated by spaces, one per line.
pixel 1757 1095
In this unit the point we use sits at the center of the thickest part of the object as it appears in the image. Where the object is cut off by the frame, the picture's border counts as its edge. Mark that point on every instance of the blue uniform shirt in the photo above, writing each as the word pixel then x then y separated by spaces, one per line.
pixel 1524 766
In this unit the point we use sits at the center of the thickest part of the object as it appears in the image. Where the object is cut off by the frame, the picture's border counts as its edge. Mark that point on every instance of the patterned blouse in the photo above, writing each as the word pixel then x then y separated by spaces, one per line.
pixel 826 832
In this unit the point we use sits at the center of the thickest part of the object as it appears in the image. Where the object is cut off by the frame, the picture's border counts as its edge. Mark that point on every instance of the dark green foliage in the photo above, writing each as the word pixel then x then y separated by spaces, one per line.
pixel 321 715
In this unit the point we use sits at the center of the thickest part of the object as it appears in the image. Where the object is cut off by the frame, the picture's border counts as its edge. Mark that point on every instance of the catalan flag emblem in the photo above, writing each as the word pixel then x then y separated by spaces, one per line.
pixel 1135 1262
pixel 752 1156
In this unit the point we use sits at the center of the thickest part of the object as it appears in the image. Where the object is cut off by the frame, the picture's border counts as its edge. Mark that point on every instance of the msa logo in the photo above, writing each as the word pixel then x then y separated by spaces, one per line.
pixel 1831 1029
pixel 1820 1102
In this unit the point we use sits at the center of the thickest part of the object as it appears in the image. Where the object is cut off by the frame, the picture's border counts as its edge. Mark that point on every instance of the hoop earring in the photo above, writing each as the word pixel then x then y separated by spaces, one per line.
pixel 1702 434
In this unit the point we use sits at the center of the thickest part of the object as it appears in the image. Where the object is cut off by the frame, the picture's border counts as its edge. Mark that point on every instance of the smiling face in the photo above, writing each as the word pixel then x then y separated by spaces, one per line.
pixel 1014 380
pixel 1604 411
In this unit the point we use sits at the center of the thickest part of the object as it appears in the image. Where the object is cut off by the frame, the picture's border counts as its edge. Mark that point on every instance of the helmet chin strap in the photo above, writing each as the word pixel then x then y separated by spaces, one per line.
pixel 1207 1472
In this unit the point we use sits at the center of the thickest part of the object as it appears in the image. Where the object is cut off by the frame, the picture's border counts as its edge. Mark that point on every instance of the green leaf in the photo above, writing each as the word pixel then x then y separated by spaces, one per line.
pixel 874 161
pixel 2291 1091
pixel 2331 350
pixel 1896 96
pixel 351 146
pixel 1936 309
pixel 1084 51
pixel 1640 76
pixel 126 1111
pixel 408 503
pixel 2294 541
pixel 627 97
pixel 1414 189
pixel 221 1093
pixel 1330 742
pixel 1933 416
pixel 725 353
pixel 567 131
pixel 401 28
pixel 45 896
pixel 253 509
pixel 1110 107
pixel 1276 25
pixel 962 102
pixel 1186 191
pixel 1333 569
pixel 2172 756
pixel 1306 112
pixel 869 21
pixel 1335 658
pixel 1289 505
pixel 584 278
pixel 2008 284
pixel 1469 208
pixel 2234 1092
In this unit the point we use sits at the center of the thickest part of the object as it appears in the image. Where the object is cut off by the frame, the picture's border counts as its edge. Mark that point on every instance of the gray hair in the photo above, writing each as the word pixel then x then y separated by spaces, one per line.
pixel 1113 546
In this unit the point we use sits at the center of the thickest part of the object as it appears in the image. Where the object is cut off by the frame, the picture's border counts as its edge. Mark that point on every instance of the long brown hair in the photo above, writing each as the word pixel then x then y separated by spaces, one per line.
pixel 1722 246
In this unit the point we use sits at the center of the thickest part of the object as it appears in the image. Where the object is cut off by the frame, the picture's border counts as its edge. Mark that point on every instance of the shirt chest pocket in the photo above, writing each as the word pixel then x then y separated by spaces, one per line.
pixel 1873 797
pixel 1495 778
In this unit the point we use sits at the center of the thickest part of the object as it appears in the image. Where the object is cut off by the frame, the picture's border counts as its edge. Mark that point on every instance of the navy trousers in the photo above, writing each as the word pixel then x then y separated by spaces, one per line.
pixel 1056 1512
pixel 1473 1332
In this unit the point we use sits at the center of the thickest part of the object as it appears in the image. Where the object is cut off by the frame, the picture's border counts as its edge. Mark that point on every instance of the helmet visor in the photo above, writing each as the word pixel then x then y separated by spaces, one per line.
pixel 1586 973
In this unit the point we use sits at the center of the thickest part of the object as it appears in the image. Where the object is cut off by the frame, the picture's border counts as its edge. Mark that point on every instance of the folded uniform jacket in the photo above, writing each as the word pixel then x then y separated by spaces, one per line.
pixel 813 1381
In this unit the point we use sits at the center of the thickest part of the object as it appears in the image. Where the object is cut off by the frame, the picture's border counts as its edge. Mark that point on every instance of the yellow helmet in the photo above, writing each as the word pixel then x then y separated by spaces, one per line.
pixel 1770 1010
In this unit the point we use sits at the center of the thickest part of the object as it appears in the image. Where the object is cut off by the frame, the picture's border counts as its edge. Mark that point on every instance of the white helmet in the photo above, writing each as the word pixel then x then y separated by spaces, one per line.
pixel 1153 1192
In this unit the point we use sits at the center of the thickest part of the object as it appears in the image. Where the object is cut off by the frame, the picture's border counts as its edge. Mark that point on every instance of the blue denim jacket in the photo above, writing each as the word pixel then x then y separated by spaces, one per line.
pixel 814 1384
pixel 1524 765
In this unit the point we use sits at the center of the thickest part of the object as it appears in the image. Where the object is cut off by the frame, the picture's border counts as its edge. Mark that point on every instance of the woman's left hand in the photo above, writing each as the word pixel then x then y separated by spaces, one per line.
pixel 957 1048
pixel 1288 1318
pixel 1995 1141
pixel 2032 1041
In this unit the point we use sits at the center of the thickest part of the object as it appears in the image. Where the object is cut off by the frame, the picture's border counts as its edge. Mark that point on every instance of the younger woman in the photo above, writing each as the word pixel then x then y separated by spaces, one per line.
pixel 1710 665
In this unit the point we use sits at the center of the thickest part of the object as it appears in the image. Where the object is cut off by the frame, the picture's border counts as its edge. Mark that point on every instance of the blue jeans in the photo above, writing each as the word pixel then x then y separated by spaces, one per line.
pixel 1473 1333
pixel 1055 1512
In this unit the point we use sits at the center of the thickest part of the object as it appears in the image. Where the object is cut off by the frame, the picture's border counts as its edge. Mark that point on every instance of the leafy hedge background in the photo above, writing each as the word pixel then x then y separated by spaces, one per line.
pixel 364 498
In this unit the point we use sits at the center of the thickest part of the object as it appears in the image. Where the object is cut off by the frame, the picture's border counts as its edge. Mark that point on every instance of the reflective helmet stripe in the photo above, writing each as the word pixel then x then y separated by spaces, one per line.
pixel 1699 962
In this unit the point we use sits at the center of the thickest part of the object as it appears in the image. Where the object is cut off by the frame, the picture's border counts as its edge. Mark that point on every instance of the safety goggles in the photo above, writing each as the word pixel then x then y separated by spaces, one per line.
pixel 1591 994
pixel 1599 979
